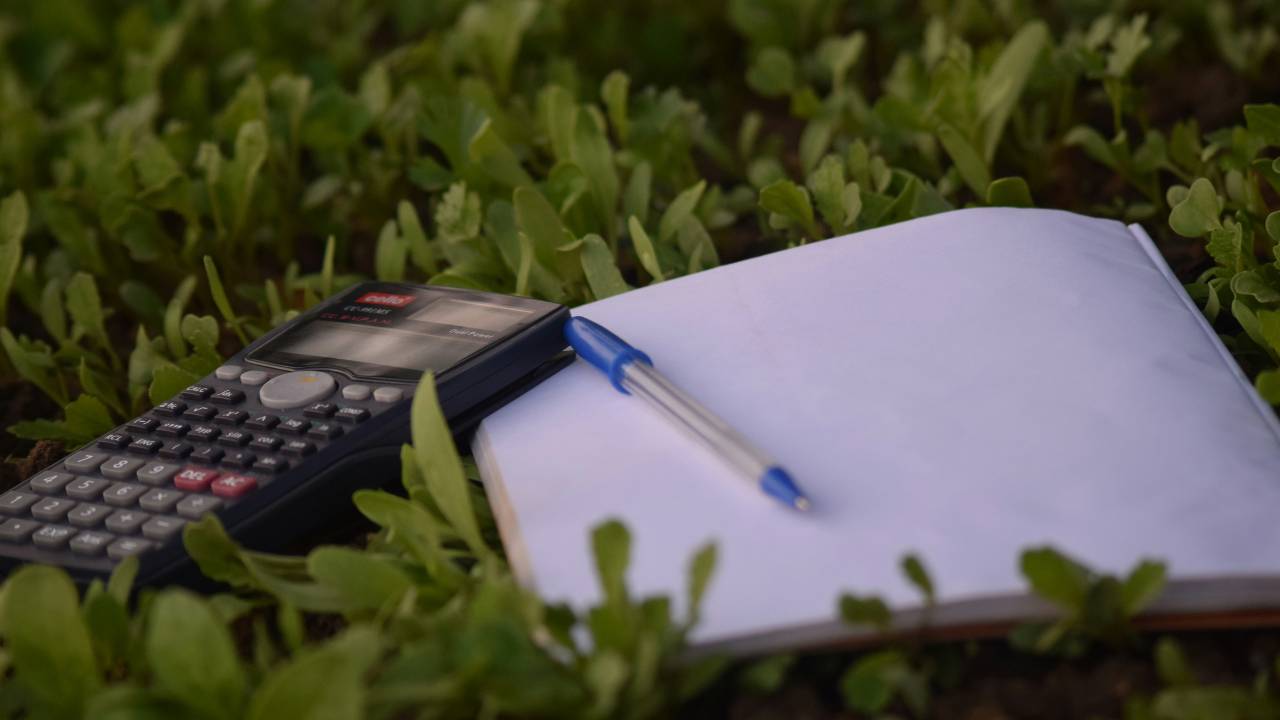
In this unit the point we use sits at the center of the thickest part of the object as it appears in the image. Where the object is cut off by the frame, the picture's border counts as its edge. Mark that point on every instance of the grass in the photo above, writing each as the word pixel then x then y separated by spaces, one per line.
pixel 178 177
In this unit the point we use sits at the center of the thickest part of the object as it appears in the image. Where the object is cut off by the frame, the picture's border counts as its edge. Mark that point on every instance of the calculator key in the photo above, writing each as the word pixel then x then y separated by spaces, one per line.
pixel 388 394
pixel 208 455
pixel 320 410
pixel 197 392
pixel 230 396
pixel 230 417
pixel 263 422
pixel 123 494
pixel 17 530
pixel 235 438
pixel 145 446
pixel 324 431
pixel 204 433
pixel 90 542
pixel 125 521
pixel 352 415
pixel 293 426
pixel 88 514
pixel 298 448
pixel 356 392
pixel 127 547
pixel 201 412
pixel 193 506
pixel 173 429
pixel 158 473
pixel 271 465
pixel 52 536
pixel 172 408
pixel 14 501
pixel 160 500
pixel 162 528
pixel 254 377
pixel 233 486
pixel 49 482
pixel 296 389
pixel 195 479
pixel 113 441
pixel 85 462
pixel 143 424
pixel 121 468
pixel 239 459
pixel 228 372
pixel 176 450
pixel 52 509
pixel 86 488
pixel 266 442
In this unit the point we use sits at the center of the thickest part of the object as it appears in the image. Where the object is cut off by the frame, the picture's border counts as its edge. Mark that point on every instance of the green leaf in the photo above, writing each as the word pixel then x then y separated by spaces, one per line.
pixel 635 200
pixel 645 250
pixel 968 161
pixel 680 210
pixel 34 363
pixel 1127 43
pixel 539 220
pixel 999 90
pixel 494 31
pixel 773 73
pixel 324 684
pixel 828 188
pixel 420 251
pixel 13 225
pixel 915 571
pixel 601 269
pixel 326 267
pixel 1267 384
pixel 47 640
pixel 1009 192
pixel 791 201
pixel 766 675
pixel 242 174
pixel 865 610
pixel 86 418
pixel 390 254
pixel 1144 584
pixel 437 458
pixel 367 581
pixel 611 548
pixel 701 568
pixel 592 153
pixel 614 91
pixel 1199 211
pixel 85 306
pixel 1273 226
pixel 221 301
pixel 192 657
pixel 495 157
pixel 1264 121
pixel 1055 577
pixel 1171 664
pixel 167 381
pixel 334 121
pixel 1227 247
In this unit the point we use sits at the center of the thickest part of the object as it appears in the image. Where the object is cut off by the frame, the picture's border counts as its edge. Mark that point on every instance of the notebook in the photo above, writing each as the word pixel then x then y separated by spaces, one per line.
pixel 962 386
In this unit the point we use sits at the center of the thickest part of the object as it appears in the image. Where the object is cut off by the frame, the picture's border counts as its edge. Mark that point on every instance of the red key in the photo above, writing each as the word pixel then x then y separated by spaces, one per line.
pixel 233 486
pixel 195 479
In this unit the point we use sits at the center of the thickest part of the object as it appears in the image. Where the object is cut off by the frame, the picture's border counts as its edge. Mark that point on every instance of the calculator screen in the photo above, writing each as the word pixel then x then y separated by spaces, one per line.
pixel 400 333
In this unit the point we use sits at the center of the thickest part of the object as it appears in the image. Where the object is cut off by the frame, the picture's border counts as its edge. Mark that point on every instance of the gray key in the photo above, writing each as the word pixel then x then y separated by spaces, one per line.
pixel 126 521
pixel 49 482
pixel 88 515
pixel 90 543
pixel 52 509
pixel 17 530
pixel 196 505
pixel 160 500
pixel 254 377
pixel 84 462
pixel 121 468
pixel 356 392
pixel 158 473
pixel 123 494
pixel 86 488
pixel 228 372
pixel 15 502
pixel 52 536
pixel 388 394
pixel 124 547
pixel 162 528
pixel 295 389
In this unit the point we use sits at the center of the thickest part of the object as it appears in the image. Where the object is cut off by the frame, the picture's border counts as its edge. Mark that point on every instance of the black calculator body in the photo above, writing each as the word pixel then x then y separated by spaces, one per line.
pixel 276 439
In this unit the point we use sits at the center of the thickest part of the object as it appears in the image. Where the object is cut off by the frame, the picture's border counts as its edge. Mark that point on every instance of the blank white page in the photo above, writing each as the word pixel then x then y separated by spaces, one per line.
pixel 962 386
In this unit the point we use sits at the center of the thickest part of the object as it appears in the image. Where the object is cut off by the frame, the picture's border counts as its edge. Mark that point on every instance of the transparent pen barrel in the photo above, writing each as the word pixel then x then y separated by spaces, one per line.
pixel 641 380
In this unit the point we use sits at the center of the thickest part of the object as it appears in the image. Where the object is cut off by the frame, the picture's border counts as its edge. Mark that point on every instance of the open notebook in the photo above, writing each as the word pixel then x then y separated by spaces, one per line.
pixel 963 386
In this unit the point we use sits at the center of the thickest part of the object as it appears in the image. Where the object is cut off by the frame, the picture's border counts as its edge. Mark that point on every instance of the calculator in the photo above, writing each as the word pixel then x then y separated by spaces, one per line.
pixel 275 440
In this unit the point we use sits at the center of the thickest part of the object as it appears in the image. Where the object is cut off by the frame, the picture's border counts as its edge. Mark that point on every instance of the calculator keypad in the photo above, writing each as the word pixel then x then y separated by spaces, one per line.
pixel 211 447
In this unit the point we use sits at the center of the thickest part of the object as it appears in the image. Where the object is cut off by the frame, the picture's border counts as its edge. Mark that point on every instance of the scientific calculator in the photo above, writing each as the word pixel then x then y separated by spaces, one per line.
pixel 276 439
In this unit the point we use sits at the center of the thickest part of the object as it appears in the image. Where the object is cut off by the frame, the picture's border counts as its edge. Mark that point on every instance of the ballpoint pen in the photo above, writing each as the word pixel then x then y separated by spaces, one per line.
pixel 632 373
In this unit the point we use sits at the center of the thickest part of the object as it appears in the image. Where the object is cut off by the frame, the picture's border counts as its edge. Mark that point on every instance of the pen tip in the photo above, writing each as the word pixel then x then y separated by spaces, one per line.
pixel 801 503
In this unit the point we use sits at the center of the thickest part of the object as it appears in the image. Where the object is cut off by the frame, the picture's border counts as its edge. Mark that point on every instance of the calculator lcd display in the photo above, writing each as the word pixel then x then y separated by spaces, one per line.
pixel 464 313
pixel 367 346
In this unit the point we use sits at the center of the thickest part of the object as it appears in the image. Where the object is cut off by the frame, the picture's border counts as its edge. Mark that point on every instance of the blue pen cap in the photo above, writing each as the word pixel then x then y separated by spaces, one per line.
pixel 608 352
